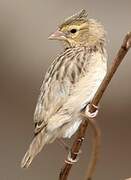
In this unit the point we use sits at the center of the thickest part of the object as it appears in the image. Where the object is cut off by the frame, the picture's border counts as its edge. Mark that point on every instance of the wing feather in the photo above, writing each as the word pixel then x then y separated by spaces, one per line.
pixel 59 80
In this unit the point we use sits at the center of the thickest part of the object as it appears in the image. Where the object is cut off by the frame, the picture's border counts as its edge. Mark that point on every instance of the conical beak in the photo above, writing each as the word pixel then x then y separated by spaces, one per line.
pixel 57 35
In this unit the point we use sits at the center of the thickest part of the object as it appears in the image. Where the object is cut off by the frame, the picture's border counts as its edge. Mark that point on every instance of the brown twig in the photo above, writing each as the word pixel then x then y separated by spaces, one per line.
pixel 96 140
pixel 82 130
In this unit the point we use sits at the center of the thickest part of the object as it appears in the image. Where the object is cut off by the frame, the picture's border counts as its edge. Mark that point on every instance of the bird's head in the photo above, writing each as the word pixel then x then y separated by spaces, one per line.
pixel 79 30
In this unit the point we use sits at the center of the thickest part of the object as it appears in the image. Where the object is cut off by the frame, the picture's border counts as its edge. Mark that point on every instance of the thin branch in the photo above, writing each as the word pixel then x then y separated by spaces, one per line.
pixel 96 140
pixel 82 130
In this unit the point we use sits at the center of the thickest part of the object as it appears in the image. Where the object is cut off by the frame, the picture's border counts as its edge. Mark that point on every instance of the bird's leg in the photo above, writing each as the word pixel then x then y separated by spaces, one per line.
pixel 68 150
pixel 69 159
pixel 63 144
pixel 91 114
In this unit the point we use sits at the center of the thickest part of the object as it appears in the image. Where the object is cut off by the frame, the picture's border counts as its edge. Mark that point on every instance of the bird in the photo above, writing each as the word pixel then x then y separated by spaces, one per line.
pixel 70 82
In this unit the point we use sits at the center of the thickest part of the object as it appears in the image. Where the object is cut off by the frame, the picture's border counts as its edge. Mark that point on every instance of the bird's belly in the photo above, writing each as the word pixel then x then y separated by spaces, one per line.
pixel 69 129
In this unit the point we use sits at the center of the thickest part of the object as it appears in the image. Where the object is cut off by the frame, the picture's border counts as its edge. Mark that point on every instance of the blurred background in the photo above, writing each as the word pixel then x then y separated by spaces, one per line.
pixel 25 54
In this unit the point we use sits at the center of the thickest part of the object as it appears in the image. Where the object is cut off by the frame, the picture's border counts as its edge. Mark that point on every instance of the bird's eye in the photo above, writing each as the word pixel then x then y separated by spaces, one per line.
pixel 73 31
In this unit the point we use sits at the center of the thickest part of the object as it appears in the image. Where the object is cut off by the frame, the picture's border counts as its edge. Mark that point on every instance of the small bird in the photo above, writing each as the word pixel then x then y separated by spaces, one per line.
pixel 70 82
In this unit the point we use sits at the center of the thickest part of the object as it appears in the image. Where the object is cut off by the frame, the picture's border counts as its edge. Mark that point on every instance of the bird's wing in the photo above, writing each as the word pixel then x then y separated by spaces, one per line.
pixel 59 80
pixel 54 96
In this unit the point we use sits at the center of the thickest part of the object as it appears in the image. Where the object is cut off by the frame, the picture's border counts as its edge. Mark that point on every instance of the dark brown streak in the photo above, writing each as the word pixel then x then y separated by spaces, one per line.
pixel 66 65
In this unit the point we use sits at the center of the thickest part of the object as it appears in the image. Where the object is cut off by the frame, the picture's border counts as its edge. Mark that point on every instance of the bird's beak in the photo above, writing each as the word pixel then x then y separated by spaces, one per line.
pixel 57 35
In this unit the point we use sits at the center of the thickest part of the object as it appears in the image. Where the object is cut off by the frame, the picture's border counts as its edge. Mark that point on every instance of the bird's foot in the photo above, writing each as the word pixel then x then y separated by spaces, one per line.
pixel 70 159
pixel 91 114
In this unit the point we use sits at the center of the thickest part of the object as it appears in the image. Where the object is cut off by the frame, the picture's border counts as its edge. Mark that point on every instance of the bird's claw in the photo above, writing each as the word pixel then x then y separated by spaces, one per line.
pixel 70 160
pixel 93 114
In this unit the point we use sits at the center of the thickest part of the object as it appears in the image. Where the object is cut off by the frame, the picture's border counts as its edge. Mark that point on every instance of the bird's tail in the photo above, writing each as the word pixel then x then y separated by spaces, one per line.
pixel 35 147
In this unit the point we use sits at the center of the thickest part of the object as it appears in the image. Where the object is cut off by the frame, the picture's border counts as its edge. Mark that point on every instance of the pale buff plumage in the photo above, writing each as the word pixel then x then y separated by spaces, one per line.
pixel 70 83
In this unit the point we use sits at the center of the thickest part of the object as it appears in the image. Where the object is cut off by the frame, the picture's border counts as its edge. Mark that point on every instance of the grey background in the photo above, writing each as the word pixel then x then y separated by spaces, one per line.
pixel 25 54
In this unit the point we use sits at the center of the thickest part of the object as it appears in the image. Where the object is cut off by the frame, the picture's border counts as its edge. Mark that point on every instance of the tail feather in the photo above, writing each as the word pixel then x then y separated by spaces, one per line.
pixel 35 147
